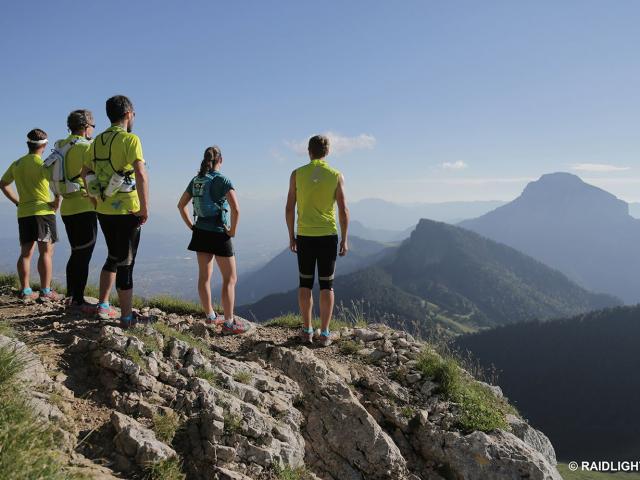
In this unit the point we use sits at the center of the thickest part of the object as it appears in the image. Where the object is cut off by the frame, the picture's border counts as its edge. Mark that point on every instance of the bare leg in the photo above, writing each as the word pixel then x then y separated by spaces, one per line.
pixel 326 307
pixel 125 300
pixel 205 269
pixel 227 266
pixel 107 279
pixel 45 263
pixel 305 300
pixel 24 264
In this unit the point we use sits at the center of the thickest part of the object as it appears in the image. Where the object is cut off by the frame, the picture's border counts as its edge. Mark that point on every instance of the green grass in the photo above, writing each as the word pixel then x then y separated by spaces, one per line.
pixel 8 280
pixel 193 341
pixel 292 320
pixel 479 408
pixel 243 376
pixel 212 377
pixel 287 472
pixel 29 447
pixel 169 469
pixel 408 412
pixel 7 329
pixel 134 355
pixel 349 347
pixel 580 475
pixel 232 423
pixel 165 425
pixel 150 341
pixel 352 315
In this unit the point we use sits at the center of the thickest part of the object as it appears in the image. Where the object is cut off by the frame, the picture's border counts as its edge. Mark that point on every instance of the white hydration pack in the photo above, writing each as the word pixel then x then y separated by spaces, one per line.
pixel 60 184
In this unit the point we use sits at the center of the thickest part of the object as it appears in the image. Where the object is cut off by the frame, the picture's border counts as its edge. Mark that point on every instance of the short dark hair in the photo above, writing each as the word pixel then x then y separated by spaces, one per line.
pixel 318 146
pixel 36 135
pixel 79 119
pixel 117 107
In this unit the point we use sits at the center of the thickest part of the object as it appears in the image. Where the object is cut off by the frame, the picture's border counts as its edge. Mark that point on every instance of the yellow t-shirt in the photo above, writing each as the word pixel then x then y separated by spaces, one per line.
pixel 76 202
pixel 32 183
pixel 125 150
pixel 316 185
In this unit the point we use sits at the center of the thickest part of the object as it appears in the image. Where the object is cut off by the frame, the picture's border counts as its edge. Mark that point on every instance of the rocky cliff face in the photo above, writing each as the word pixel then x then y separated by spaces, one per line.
pixel 255 407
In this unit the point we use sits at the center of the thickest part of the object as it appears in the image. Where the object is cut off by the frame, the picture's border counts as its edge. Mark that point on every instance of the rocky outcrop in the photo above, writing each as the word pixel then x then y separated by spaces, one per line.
pixel 248 407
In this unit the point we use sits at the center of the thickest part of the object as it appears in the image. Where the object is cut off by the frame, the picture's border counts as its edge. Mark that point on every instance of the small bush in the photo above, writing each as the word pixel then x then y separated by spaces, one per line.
pixel 287 472
pixel 150 341
pixel 407 412
pixel 210 376
pixel 243 376
pixel 349 347
pixel 232 423
pixel 165 425
pixel 479 408
pixel 134 355
pixel 169 469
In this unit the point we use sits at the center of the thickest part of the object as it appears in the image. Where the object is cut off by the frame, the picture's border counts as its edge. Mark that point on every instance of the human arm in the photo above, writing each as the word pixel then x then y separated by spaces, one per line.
pixel 142 187
pixel 55 205
pixel 290 212
pixel 343 216
pixel 184 210
pixel 8 192
pixel 232 198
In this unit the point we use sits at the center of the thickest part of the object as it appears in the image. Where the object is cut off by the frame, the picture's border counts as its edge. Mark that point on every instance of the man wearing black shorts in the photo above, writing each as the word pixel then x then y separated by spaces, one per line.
pixel 114 171
pixel 316 188
pixel 36 215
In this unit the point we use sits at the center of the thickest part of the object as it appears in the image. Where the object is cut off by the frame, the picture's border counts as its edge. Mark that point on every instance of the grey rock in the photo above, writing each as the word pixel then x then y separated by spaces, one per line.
pixel 413 378
pixel 138 442
pixel 367 335
pixel 532 437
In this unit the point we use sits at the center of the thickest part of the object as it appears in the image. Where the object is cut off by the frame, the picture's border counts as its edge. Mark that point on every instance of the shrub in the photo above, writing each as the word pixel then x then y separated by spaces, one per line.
pixel 165 425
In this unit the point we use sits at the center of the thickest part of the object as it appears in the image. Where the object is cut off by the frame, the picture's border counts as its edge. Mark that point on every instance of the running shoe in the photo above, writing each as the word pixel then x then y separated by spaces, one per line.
pixel 83 308
pixel 238 327
pixel 30 295
pixel 306 336
pixel 326 338
pixel 214 319
pixel 50 296
pixel 134 320
pixel 106 313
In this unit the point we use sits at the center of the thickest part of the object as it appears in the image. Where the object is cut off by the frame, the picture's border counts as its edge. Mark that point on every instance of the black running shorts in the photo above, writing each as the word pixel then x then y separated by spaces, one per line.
pixel 37 228
pixel 320 251
pixel 216 243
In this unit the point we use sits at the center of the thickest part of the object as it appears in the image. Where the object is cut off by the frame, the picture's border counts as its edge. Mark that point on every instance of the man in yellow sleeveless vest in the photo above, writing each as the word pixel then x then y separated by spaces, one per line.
pixel 316 188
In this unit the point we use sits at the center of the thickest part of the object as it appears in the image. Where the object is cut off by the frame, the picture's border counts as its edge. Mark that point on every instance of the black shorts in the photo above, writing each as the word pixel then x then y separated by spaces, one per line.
pixel 216 243
pixel 122 236
pixel 37 228
pixel 320 251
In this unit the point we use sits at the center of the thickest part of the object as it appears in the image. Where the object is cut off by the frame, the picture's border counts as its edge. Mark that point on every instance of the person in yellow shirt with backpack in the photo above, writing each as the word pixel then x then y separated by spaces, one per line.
pixel 316 188
pixel 115 175
pixel 36 216
pixel 78 209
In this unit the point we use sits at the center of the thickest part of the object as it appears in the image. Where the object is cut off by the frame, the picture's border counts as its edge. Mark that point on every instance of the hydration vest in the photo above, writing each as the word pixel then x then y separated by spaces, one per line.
pixel 204 206
pixel 60 184
pixel 109 181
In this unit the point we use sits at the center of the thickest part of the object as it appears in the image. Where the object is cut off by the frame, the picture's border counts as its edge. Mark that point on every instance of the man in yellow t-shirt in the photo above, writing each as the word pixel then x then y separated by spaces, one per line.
pixel 119 181
pixel 316 188
pixel 36 215
pixel 78 209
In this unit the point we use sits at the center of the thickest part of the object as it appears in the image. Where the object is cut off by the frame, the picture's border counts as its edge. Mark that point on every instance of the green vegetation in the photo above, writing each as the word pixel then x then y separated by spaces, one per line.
pixel 349 347
pixel 287 472
pixel 191 340
pixel 232 423
pixel 352 315
pixel 29 446
pixel 243 376
pixel 134 355
pixel 289 320
pixel 169 469
pixel 479 408
pixel 6 329
pixel 150 341
pixel 8 280
pixel 210 376
pixel 567 474
pixel 165 425
pixel 407 412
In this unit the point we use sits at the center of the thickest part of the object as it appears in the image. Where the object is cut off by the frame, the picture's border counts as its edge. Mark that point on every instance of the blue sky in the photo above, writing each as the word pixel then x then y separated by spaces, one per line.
pixel 428 101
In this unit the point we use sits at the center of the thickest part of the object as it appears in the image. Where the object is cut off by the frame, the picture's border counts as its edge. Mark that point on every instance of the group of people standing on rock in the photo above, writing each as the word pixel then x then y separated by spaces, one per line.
pixel 103 180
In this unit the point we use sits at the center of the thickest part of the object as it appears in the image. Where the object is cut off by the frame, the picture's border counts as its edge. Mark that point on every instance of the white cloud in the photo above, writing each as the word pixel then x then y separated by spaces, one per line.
pixel 458 165
pixel 339 143
pixel 597 167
